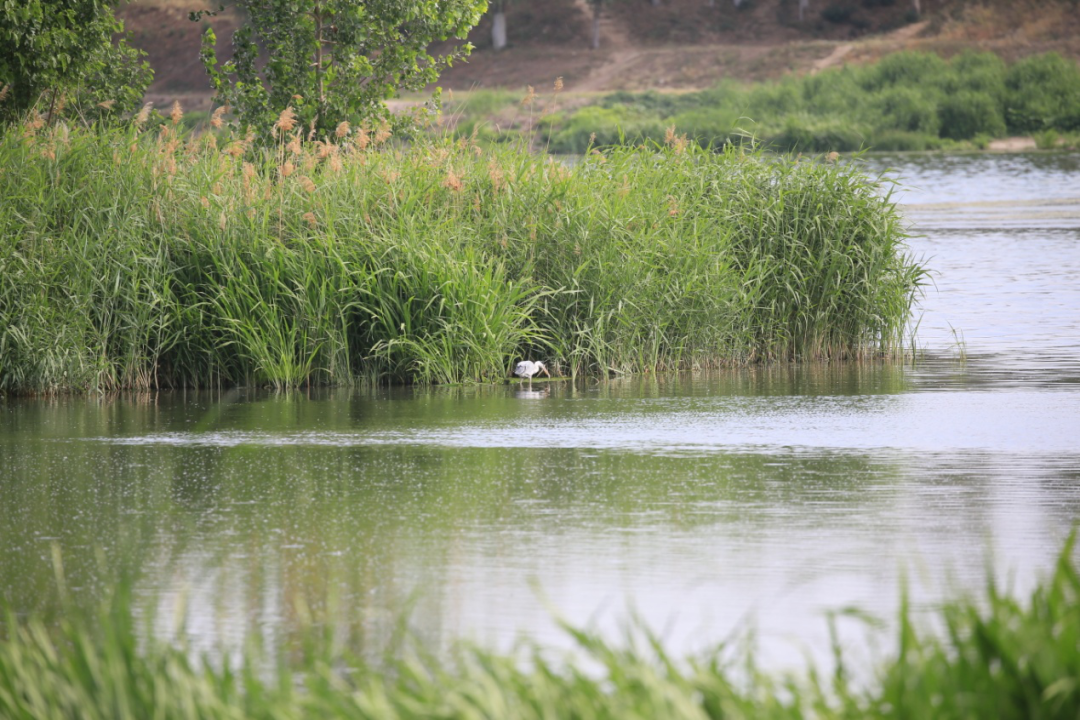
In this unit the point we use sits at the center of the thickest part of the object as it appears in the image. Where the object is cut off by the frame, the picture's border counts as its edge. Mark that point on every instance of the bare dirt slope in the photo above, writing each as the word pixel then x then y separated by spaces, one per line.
pixel 676 45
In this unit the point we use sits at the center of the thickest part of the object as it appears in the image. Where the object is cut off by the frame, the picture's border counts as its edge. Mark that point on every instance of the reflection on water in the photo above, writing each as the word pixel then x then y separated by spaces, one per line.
pixel 703 501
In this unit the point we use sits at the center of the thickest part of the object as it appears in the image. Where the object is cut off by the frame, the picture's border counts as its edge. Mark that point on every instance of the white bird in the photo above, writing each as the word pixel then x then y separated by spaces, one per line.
pixel 527 368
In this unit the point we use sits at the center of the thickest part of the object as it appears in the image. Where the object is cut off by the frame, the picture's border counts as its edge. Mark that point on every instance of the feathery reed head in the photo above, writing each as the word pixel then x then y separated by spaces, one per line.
pixel 286 121
pixel 216 119
pixel 143 115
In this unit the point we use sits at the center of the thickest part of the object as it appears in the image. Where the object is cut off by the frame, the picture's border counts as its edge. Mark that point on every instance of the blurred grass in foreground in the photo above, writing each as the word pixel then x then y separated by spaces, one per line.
pixel 994 657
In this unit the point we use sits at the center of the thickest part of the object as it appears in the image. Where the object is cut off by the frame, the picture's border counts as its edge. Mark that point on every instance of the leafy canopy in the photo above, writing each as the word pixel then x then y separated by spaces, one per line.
pixel 52 49
pixel 334 60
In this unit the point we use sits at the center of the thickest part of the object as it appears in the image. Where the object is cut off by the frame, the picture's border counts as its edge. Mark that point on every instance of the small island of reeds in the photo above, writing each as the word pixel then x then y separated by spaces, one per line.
pixel 139 257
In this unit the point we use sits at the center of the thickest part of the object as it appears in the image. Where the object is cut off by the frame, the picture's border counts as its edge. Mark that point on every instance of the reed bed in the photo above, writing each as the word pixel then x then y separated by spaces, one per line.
pixel 138 258
pixel 994 657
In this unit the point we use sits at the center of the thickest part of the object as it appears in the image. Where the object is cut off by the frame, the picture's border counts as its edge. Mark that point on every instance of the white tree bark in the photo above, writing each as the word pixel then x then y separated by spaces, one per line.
pixel 498 29
pixel 918 7
pixel 803 6
pixel 597 5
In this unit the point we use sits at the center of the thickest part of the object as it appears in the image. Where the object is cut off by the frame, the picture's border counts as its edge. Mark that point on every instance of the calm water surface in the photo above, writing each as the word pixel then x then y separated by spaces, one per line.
pixel 705 504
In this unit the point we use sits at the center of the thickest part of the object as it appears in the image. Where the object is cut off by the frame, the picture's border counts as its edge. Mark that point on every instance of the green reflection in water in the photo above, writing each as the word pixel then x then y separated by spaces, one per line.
pixel 262 507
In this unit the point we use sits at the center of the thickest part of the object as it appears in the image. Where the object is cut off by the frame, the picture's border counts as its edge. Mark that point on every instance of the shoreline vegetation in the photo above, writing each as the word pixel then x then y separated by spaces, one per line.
pixel 908 101
pixel 989 656
pixel 140 256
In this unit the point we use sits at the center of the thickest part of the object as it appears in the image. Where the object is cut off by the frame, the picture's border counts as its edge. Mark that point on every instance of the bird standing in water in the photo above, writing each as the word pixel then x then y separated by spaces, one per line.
pixel 527 368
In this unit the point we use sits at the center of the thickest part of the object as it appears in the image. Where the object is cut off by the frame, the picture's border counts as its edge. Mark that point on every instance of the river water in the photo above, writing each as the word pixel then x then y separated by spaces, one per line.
pixel 705 505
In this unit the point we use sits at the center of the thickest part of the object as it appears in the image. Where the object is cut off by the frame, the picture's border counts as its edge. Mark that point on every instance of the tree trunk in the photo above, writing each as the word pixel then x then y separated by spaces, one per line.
pixel 597 5
pixel 498 27
pixel 803 5
pixel 655 3
pixel 918 8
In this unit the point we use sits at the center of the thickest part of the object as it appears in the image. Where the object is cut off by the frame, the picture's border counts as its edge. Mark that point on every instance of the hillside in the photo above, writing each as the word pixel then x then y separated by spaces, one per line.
pixel 677 45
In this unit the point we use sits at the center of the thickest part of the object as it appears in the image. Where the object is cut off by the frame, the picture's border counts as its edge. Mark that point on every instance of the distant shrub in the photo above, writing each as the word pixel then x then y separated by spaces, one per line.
pixel 480 102
pixel 907 109
pixel 980 71
pixel 1043 91
pixel 773 99
pixel 483 132
pixel 610 126
pixel 662 104
pixel 709 126
pixel 838 14
pixel 904 141
pixel 830 92
pixel 815 135
pixel 921 69
pixel 1047 139
pixel 968 113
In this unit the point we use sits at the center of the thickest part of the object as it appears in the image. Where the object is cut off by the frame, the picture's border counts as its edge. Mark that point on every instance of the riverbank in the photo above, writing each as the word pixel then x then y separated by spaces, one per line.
pixel 139 259
pixel 993 656
pixel 908 101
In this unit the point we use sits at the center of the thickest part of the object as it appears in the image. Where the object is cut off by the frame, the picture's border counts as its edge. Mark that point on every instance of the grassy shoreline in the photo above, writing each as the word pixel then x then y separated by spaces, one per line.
pixel 993 656
pixel 905 102
pixel 132 258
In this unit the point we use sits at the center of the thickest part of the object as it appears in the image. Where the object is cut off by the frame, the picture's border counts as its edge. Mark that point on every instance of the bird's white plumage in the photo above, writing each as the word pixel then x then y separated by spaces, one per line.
pixel 528 368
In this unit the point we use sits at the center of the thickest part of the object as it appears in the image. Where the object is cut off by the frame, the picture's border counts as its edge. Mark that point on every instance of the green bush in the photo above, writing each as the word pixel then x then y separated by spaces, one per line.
pixel 906 109
pixel 968 113
pixel 979 71
pixel 815 135
pixel 602 127
pixel 711 127
pixel 1047 139
pixel 909 68
pixel 904 141
pixel 1043 91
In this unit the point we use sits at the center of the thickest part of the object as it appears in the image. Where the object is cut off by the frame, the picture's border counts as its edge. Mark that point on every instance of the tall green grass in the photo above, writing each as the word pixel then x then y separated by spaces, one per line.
pixel 993 656
pixel 906 101
pixel 139 259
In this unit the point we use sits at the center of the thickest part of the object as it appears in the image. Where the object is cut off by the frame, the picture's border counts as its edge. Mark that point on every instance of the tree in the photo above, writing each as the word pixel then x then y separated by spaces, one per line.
pixel 334 60
pixel 598 6
pixel 63 50
pixel 498 25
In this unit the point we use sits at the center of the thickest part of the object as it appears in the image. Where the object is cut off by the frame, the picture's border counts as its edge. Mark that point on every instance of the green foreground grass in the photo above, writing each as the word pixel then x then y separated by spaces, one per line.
pixel 992 657
pixel 132 258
